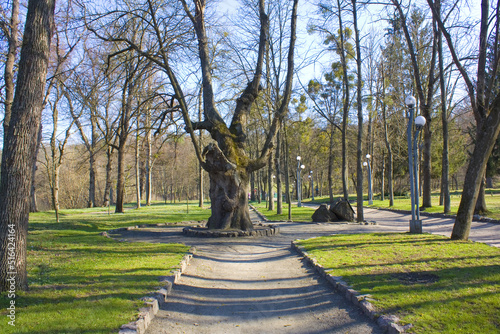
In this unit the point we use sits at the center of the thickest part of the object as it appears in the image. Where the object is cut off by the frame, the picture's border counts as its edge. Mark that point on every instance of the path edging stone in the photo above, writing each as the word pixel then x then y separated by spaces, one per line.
pixel 261 231
pixel 388 323
pixel 155 300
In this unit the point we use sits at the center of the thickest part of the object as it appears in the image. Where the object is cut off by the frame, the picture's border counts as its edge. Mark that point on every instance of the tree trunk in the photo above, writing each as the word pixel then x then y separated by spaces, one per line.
pixel 54 167
pixel 137 167
pixel 149 162
pixel 486 136
pixel 270 182
pixel 426 162
pixel 120 182
pixel 20 145
pixel 92 168
pixel 107 188
pixel 55 192
pixel 33 203
pixel 481 208
pixel 359 186
pixel 330 165
pixel 200 142
pixel 390 163
pixel 127 99
pixel 91 202
pixel 425 99
pixel 382 182
pixel 228 192
pixel 345 105
pixel 9 64
pixel 287 175
pixel 253 195
pixel 445 170
pixel 277 157
pixel 259 188
pixel 489 182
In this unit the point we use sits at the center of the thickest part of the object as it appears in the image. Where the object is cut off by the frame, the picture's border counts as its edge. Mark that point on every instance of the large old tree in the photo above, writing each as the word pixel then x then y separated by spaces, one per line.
pixel 226 157
pixel 18 154
pixel 485 103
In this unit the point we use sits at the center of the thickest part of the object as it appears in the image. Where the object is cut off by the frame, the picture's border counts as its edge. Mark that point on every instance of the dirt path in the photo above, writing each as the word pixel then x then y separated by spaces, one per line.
pixel 242 288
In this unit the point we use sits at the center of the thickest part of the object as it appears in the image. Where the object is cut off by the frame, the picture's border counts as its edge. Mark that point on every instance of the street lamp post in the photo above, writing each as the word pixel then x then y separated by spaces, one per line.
pixel 415 222
pixel 300 185
pixel 312 184
pixel 410 102
pixel 298 181
pixel 370 189
pixel 419 124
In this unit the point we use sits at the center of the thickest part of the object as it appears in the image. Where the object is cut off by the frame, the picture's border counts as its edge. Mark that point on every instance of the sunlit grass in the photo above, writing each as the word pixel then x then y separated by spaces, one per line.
pixel 302 214
pixel 82 282
pixel 464 299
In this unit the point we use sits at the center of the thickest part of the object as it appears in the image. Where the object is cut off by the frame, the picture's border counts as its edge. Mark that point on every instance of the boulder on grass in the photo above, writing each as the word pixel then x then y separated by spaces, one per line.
pixel 323 215
pixel 343 210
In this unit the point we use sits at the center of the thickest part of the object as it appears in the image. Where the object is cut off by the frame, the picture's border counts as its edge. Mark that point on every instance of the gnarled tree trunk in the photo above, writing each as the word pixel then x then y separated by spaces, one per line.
pixel 228 192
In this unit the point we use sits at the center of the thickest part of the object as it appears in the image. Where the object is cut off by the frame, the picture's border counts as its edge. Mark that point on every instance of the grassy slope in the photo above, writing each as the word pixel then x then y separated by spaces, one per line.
pixel 81 282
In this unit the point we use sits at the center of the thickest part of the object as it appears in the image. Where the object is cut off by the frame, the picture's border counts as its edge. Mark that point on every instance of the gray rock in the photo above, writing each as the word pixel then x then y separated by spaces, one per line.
pixel 343 210
pixel 368 309
pixel 395 329
pixel 323 215
pixel 385 321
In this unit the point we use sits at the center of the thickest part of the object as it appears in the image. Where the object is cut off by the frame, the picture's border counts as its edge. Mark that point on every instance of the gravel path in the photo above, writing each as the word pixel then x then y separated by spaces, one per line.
pixel 252 285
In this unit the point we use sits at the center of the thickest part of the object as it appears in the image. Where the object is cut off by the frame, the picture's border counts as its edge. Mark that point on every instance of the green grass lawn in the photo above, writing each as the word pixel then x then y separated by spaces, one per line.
pixel 460 281
pixel 82 282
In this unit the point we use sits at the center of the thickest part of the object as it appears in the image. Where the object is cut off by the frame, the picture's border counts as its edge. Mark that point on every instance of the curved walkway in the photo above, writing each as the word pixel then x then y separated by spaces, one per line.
pixel 488 233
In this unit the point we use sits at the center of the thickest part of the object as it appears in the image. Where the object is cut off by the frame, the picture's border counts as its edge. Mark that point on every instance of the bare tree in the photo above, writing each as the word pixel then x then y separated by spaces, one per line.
pixel 425 92
pixel 339 40
pixel 87 90
pixel 390 162
pixel 359 103
pixel 445 169
pixel 55 152
pixel 485 103
pixel 225 159
pixel 327 101
pixel 134 73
